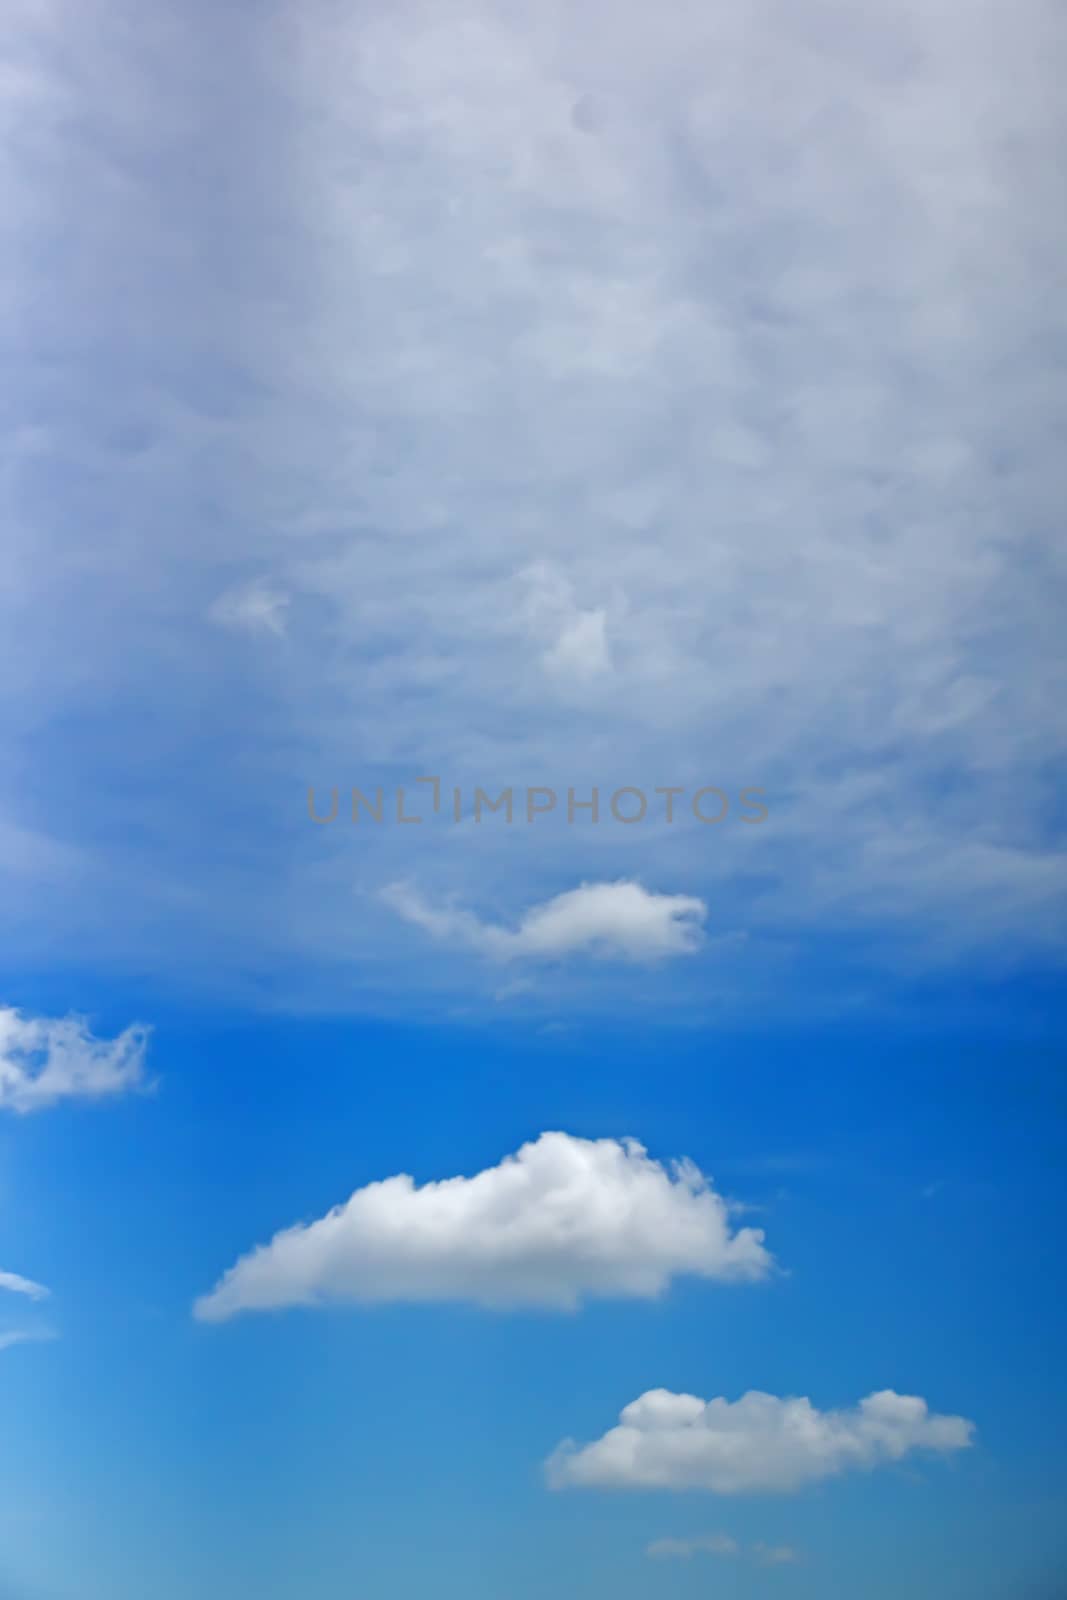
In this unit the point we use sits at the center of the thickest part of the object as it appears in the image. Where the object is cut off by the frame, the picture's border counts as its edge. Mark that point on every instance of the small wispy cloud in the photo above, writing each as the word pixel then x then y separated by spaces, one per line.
pixel 573 638
pixel 620 920
pixel 724 1545
pixel 775 1555
pixel 257 607
pixel 9 1340
pixel 47 1059
pixel 713 1544
pixel 14 1283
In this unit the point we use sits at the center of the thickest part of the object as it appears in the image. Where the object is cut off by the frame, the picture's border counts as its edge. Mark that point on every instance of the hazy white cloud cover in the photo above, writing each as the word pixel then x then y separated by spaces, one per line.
pixel 562 1221
pixel 47 1059
pixel 620 920
pixel 628 397
pixel 758 1444
pixel 14 1284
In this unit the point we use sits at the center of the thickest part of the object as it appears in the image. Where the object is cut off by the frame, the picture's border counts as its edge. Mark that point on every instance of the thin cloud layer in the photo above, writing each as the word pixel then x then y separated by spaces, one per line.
pixel 669 403
pixel 47 1059
pixel 758 1444
pixel 621 920
pixel 562 1221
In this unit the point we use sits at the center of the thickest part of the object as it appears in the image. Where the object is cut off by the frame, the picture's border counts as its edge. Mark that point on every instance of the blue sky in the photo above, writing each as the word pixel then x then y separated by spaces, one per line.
pixel 539 402
pixel 911 1191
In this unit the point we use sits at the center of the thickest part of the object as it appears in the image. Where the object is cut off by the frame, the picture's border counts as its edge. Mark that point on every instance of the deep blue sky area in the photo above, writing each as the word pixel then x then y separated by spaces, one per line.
pixel 911 1189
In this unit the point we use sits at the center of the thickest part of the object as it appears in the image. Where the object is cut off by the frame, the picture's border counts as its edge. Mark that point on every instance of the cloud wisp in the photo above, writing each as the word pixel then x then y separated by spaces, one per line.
pixel 10 1339
pixel 760 1444
pixel 723 1545
pixel 47 1059
pixel 609 921
pixel 562 1221
pixel 255 608
pixel 14 1283
pixel 574 638
pixel 711 1544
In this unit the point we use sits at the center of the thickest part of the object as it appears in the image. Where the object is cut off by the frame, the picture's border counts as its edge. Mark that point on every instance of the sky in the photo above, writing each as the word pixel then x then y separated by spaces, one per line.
pixel 532 870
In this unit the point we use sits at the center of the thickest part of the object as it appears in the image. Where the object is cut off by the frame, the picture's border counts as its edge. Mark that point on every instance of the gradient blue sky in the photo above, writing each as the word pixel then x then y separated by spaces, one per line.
pixel 571 396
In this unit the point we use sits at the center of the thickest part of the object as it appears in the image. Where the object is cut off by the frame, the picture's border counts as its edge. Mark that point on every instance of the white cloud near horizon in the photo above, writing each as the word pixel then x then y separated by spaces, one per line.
pixel 760 1444
pixel 606 920
pixel 44 1060
pixel 562 1221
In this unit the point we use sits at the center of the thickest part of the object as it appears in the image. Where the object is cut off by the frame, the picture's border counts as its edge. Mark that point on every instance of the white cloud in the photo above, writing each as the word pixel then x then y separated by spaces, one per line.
pixel 775 1555
pixel 620 920
pixel 26 1336
pixel 14 1284
pixel 737 324
pixel 574 638
pixel 758 1444
pixel 44 1060
pixel 722 1544
pixel 562 1221
pixel 257 607
pixel 713 1544
pixel 581 651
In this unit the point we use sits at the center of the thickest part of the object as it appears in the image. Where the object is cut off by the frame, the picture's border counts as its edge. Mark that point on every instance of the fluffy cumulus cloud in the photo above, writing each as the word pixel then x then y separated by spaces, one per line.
pixel 561 1221
pixel 621 920
pixel 758 1444
pixel 44 1060
pixel 14 1284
